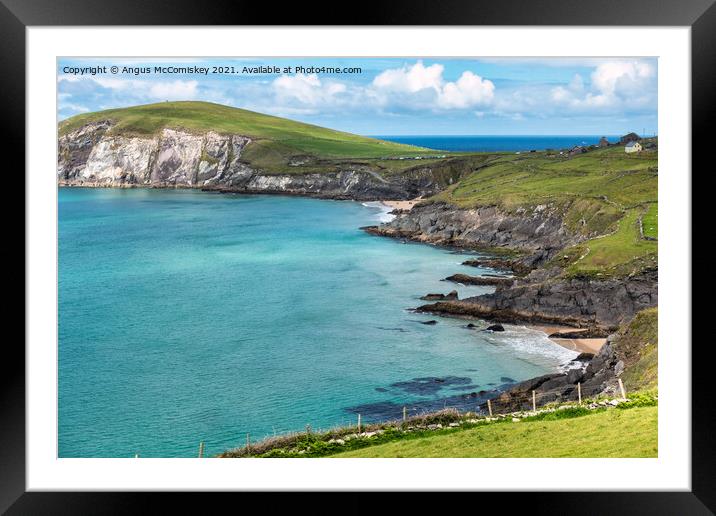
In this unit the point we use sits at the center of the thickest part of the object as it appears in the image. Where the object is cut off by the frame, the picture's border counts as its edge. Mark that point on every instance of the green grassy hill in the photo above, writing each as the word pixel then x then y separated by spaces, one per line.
pixel 275 135
pixel 611 433
pixel 605 194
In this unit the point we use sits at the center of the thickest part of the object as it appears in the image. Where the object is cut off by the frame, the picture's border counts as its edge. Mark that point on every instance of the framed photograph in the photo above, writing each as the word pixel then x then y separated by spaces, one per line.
pixel 419 252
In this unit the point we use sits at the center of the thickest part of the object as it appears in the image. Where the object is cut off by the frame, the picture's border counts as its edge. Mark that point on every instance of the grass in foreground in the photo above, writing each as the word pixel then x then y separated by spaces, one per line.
pixel 290 136
pixel 609 433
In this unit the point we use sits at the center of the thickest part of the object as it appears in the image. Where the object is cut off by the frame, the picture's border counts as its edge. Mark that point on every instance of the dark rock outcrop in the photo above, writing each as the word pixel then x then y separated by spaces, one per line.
pixel 452 295
pixel 466 279
pixel 600 304
pixel 495 327
pixel 598 377
pixel 539 230
pixel 501 264
pixel 582 333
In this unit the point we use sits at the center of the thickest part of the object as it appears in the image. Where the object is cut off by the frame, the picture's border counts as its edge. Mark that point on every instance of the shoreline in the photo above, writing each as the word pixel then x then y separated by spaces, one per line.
pixel 583 345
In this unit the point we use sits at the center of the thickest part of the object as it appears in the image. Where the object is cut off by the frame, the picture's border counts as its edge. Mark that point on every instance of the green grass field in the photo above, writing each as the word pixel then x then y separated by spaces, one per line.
pixel 650 221
pixel 619 253
pixel 611 433
pixel 608 175
pixel 292 137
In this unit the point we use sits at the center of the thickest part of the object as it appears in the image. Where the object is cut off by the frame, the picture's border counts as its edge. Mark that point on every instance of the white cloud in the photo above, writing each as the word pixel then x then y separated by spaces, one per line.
pixel 469 90
pixel 424 87
pixel 614 85
pixel 114 83
pixel 176 90
pixel 306 89
pixel 411 78
pixel 620 76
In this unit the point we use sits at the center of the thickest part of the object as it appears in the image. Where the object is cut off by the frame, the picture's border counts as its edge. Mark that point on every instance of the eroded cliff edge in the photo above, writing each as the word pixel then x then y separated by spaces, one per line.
pixel 543 291
pixel 95 157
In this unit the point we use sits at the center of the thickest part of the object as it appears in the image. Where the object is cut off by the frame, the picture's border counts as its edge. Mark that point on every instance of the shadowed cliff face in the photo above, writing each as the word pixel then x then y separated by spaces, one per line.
pixel 540 231
pixel 603 303
pixel 91 156
pixel 542 296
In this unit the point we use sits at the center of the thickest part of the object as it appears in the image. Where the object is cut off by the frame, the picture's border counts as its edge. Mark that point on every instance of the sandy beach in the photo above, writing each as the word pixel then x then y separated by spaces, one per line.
pixel 402 205
pixel 586 345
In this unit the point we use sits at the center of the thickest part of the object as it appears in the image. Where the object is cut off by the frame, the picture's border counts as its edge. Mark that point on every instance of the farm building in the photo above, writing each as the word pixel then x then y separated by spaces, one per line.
pixel 632 147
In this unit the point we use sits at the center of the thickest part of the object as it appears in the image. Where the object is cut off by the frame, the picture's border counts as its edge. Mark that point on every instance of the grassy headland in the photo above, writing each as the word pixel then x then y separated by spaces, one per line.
pixel 603 194
pixel 278 136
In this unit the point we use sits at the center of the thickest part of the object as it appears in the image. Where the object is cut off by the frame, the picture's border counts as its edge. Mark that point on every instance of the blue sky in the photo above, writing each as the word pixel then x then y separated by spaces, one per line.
pixel 390 96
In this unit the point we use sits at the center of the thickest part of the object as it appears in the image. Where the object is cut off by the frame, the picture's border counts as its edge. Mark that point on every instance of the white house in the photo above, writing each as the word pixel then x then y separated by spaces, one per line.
pixel 632 147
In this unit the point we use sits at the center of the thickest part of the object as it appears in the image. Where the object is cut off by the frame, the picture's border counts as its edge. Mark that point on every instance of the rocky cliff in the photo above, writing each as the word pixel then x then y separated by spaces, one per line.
pixel 92 156
pixel 539 231
pixel 545 295
pixel 599 303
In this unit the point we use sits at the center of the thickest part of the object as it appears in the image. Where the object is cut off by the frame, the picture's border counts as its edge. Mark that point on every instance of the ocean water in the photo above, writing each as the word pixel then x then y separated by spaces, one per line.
pixel 498 143
pixel 187 316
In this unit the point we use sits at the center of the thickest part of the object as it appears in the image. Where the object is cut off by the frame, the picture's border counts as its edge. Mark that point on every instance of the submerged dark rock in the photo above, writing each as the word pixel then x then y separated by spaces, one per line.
pixel 495 327
pixel 430 323
pixel 430 385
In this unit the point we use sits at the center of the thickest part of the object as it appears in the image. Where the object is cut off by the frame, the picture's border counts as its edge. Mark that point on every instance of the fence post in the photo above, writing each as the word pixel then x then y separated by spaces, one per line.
pixel 201 449
pixel 621 388
pixel 358 423
pixel 405 414
pixel 534 402
pixel 579 391
pixel 489 407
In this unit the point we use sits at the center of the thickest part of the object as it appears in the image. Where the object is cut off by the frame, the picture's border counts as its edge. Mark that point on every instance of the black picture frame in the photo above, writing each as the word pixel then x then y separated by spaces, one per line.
pixel 700 15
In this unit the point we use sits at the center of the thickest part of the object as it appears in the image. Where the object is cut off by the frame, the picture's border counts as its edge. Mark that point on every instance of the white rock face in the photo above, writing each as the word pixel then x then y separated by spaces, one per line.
pixel 92 156
pixel 119 160
pixel 178 158
pixel 89 156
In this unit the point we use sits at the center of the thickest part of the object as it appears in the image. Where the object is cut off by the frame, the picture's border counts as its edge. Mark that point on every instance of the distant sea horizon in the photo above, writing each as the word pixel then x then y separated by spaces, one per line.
pixel 498 143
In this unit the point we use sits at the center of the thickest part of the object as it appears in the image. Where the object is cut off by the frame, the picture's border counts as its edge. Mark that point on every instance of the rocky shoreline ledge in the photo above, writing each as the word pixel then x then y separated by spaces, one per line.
pixel 531 291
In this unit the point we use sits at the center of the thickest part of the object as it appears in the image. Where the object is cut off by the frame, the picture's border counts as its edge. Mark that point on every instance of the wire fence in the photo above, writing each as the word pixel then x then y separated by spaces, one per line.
pixel 501 405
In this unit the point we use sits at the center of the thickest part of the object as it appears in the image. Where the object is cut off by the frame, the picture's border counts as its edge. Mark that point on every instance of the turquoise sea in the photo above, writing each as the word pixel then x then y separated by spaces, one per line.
pixel 187 316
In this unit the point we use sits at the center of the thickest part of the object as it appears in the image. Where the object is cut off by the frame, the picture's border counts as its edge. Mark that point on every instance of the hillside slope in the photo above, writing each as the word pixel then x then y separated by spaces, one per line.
pixel 203 117
pixel 203 145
